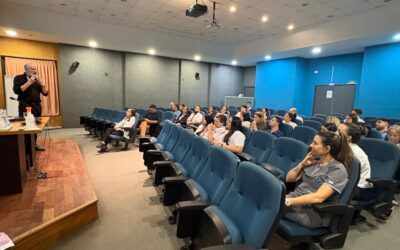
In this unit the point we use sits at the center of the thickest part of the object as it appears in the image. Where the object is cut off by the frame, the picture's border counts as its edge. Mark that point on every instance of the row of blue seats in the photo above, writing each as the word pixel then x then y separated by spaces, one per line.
pixel 384 158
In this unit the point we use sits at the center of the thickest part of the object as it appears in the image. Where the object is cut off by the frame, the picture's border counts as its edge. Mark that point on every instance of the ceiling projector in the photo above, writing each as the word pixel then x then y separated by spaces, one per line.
pixel 196 10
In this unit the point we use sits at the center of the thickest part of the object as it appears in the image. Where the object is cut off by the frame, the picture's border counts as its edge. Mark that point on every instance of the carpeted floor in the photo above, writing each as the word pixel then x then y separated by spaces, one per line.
pixel 131 217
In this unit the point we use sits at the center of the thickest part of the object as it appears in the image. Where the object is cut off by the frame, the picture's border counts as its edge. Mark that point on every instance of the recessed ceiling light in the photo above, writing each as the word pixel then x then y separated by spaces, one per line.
pixel 396 37
pixel 264 18
pixel 234 62
pixel 152 51
pixel 316 50
pixel 11 33
pixel 92 44
pixel 268 57
pixel 232 9
pixel 290 26
pixel 197 57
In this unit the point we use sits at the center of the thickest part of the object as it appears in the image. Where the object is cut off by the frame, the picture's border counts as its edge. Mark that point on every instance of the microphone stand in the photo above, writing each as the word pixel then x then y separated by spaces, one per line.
pixel 37 172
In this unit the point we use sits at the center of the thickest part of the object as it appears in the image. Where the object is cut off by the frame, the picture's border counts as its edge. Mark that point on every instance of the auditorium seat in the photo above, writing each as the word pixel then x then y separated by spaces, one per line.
pixel 313 124
pixel 373 133
pixel 190 166
pixel 384 160
pixel 317 119
pixel 246 214
pixel 210 185
pixel 280 112
pixel 334 235
pixel 286 129
pixel 168 115
pixel 247 133
pixel 259 147
pixel 131 137
pixel 320 116
pixel 142 112
pixel 287 153
pixel 304 133
pixel 233 112
pixel 147 143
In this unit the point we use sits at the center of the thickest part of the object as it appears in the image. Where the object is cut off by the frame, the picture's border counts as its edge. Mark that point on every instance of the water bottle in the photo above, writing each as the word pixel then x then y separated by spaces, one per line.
pixel 29 118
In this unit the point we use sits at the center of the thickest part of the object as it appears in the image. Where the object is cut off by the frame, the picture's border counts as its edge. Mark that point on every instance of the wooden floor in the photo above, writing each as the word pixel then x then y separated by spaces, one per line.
pixel 49 208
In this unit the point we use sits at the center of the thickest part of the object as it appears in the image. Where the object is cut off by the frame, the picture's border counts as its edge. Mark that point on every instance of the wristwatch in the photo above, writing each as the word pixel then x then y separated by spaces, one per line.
pixel 287 202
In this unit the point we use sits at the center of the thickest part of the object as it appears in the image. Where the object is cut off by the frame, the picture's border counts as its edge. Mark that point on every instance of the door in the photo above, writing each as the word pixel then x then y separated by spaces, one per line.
pixel 330 99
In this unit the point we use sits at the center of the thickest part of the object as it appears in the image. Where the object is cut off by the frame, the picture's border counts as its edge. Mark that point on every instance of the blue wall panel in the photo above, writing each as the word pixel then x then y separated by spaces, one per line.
pixel 379 93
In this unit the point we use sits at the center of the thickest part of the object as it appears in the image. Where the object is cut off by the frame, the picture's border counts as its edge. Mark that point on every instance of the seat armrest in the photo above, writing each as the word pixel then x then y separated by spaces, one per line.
pixel 382 183
pixel 174 179
pixel 154 151
pixel 245 157
pixel 156 164
pixel 332 208
pixel 191 205
pixel 272 169
pixel 187 214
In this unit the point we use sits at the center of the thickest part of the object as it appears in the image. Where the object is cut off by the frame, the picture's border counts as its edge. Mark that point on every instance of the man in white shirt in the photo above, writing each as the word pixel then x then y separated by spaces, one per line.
pixel 122 129
pixel 293 111
pixel 216 131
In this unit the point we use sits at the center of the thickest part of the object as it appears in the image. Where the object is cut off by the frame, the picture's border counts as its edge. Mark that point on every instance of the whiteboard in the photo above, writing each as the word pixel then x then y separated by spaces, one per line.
pixel 12 106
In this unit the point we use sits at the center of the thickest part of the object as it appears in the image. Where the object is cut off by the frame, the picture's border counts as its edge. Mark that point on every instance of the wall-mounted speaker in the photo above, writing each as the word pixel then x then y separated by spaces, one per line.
pixel 197 76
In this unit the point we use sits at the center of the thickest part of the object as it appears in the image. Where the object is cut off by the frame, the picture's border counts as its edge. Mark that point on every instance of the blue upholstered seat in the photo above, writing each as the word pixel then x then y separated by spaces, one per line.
pixel 313 124
pixel 259 147
pixel 304 133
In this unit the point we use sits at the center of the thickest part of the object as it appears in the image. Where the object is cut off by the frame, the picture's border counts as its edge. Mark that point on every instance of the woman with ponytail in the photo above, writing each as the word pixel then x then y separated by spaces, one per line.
pixel 323 174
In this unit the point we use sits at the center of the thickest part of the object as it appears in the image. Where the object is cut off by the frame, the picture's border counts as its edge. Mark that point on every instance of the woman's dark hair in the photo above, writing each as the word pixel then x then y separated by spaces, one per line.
pixel 279 119
pixel 330 126
pixel 354 118
pixel 340 148
pixel 222 119
pixel 236 124
pixel 246 117
pixel 365 129
pixel 292 116
pixel 354 131
pixel 213 108
pixel 209 119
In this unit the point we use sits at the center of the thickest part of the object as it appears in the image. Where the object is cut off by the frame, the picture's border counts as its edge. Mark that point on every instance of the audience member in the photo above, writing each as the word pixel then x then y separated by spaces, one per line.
pixel 322 175
pixel 122 129
pixel 288 119
pixel 394 134
pixel 217 131
pixel 358 113
pixel 176 111
pixel 202 128
pixel 265 112
pixel 195 118
pixel 234 139
pixel 293 110
pixel 328 126
pixel 333 119
pixel 248 106
pixel 382 125
pixel 350 118
pixel 150 121
pixel 259 123
pixel 211 111
pixel 245 118
pixel 223 111
pixel 183 117
pixel 275 125
pixel 243 110
pixel 181 106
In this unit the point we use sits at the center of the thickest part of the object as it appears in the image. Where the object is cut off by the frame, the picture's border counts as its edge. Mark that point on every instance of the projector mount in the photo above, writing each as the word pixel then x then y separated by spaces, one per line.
pixel 214 24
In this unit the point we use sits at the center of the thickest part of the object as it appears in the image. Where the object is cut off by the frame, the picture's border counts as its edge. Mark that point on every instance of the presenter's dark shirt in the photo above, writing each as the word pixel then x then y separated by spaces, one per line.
pixel 30 95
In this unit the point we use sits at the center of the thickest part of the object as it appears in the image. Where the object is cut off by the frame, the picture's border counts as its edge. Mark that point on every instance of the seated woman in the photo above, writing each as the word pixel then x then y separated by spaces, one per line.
pixel 122 129
pixel 394 134
pixel 223 111
pixel 259 123
pixel 322 175
pixel 265 112
pixel 329 127
pixel 234 139
pixel 216 131
pixel 202 128
pixel 245 118
pixel 334 120
pixel 243 109
pixel 275 126
pixel 150 121
pixel 195 118
pixel 350 118
pixel 211 111
pixel 183 117
pixel 289 119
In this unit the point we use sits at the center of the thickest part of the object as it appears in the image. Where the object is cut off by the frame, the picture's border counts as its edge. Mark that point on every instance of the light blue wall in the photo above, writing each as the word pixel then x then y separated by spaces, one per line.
pixel 379 93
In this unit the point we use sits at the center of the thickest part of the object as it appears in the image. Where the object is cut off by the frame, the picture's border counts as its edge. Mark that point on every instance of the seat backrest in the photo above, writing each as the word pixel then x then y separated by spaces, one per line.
pixel 168 115
pixel 255 213
pixel 233 112
pixel 383 157
pixel 298 122
pixel 218 173
pixel 165 132
pixel 260 145
pixel 286 129
pixel 317 119
pixel 137 119
pixel 280 112
pixel 197 157
pixel 173 138
pixel 373 133
pixel 304 134
pixel 247 133
pixel 321 116
pixel 161 113
pixel 313 124
pixel 142 112
pixel 272 112
pixel 288 152
pixel 354 176
pixel 182 145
